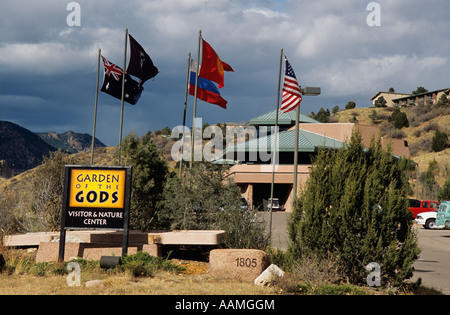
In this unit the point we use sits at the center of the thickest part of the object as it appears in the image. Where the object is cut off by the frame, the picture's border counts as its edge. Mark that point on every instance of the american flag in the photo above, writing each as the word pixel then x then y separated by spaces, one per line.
pixel 292 95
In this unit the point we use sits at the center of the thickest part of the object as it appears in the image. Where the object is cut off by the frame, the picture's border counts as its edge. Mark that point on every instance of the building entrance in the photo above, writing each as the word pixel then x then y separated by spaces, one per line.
pixel 261 192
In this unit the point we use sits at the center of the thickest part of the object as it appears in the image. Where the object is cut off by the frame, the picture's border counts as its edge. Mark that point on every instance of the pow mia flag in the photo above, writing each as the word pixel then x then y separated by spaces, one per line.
pixel 140 65
pixel 112 83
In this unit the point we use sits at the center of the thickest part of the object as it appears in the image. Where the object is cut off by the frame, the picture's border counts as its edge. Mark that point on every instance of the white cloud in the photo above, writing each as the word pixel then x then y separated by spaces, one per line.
pixel 44 58
pixel 267 13
pixel 356 76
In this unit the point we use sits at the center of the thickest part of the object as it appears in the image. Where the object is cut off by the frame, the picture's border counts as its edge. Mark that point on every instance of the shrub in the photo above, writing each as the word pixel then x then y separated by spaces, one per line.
pixel 431 127
pixel 373 115
pixel 8 204
pixel 400 120
pixel 140 269
pixel 350 105
pixel 381 102
pixel 207 199
pixel 422 144
pixel 397 134
pixel 47 193
pixel 142 264
pixel 354 211
pixel 149 177
pixel 317 270
pixel 439 141
pixel 443 101
pixel 444 192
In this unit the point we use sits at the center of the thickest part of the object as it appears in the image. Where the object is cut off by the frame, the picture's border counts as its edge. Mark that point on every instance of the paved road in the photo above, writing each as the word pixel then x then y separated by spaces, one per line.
pixel 433 265
pixel 279 228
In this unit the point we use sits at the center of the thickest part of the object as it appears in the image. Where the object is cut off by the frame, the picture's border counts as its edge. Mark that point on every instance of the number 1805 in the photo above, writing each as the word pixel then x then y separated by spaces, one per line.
pixel 246 262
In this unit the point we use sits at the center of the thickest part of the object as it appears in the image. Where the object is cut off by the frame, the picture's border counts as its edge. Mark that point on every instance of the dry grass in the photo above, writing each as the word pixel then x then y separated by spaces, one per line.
pixel 309 279
pixel 193 280
pixel 163 283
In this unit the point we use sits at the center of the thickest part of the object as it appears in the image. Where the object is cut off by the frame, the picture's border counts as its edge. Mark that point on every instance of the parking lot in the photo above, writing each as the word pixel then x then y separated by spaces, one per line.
pixel 433 265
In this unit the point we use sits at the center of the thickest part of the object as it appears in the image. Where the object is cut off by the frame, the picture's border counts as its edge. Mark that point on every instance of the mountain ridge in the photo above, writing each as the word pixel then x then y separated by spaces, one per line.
pixel 22 149
pixel 69 141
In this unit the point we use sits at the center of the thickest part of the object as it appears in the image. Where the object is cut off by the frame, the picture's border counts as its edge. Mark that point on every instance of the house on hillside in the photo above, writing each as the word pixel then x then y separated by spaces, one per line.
pixel 388 96
pixel 431 98
pixel 403 100
pixel 253 168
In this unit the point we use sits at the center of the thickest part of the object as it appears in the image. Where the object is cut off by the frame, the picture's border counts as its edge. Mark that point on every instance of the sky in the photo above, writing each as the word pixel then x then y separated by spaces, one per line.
pixel 48 68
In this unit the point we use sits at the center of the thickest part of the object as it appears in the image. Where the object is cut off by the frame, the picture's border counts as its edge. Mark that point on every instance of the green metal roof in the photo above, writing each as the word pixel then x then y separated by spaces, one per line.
pixel 307 142
pixel 268 119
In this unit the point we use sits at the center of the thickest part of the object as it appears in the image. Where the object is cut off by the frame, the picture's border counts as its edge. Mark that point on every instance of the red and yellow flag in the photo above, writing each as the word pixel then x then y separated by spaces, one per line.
pixel 212 66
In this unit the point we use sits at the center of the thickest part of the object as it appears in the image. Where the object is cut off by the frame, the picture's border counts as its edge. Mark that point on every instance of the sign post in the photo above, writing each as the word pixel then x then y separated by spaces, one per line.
pixel 96 198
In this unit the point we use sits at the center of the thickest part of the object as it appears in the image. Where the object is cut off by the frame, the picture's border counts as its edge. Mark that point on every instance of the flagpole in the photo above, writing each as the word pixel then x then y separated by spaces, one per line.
pixel 275 148
pixel 195 97
pixel 95 107
pixel 184 115
pixel 123 95
pixel 297 131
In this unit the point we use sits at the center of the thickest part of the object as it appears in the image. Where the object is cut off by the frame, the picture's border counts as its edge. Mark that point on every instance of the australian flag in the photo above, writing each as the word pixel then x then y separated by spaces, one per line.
pixel 140 65
pixel 112 83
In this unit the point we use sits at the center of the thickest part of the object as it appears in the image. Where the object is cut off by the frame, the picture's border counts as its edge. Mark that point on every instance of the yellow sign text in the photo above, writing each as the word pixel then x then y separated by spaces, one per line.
pixel 90 188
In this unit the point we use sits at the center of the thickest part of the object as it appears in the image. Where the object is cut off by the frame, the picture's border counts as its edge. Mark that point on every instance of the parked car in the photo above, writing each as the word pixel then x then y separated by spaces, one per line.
pixel 276 205
pixel 428 220
pixel 443 214
pixel 419 206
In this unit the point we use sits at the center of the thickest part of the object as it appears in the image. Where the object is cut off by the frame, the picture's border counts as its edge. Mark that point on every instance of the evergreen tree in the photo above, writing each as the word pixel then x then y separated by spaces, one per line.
pixel 150 170
pixel 207 199
pixel 444 192
pixel 439 141
pixel 350 105
pixel 322 116
pixel 335 109
pixel 443 101
pixel 354 210
pixel 399 119
pixel 420 90
pixel 381 102
pixel 47 193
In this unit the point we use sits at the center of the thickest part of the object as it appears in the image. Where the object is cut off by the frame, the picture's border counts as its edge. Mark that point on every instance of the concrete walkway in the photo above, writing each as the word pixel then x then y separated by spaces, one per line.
pixel 279 228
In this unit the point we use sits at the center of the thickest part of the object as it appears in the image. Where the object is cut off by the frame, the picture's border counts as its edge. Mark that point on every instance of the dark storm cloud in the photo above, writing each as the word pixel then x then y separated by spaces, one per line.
pixel 48 69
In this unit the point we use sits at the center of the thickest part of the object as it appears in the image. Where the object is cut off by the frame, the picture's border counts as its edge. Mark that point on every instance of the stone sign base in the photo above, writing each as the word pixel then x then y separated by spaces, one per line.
pixel 240 264
pixel 48 251
pixel 92 244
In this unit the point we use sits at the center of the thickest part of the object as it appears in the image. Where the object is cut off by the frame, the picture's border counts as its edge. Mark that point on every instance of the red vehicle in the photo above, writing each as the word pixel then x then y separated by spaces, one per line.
pixel 418 206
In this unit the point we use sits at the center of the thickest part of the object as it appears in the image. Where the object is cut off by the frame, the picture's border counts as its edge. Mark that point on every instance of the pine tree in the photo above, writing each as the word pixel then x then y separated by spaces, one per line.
pixel 208 199
pixel 444 192
pixel 149 176
pixel 354 210
pixel 439 141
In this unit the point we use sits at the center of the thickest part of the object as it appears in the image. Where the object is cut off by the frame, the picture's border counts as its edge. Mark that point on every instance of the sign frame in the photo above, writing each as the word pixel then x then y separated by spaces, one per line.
pixel 80 206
